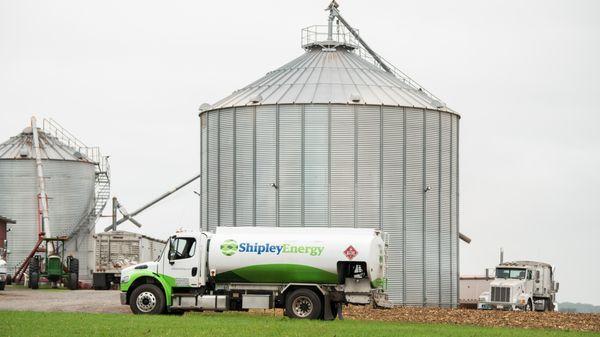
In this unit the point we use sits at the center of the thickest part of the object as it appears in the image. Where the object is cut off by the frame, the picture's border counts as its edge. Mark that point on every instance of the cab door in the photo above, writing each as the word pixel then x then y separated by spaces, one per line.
pixel 183 261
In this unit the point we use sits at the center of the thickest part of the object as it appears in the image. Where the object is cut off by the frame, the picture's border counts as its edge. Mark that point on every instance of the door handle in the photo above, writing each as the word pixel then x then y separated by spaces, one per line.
pixel 194 271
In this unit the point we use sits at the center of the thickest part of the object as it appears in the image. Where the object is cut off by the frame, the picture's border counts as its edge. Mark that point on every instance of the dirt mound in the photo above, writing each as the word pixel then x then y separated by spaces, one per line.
pixel 516 319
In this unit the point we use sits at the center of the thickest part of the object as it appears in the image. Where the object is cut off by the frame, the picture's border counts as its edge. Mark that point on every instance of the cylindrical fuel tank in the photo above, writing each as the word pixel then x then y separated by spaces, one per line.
pixel 287 255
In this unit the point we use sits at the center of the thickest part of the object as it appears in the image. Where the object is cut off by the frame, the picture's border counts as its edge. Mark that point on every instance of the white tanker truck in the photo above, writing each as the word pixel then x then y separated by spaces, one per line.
pixel 309 272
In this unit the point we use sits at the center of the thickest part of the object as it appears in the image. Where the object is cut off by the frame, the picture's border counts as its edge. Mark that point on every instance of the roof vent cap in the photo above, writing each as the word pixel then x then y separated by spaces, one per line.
pixel 204 107
pixel 438 104
pixel 256 99
pixel 355 98
pixel 23 153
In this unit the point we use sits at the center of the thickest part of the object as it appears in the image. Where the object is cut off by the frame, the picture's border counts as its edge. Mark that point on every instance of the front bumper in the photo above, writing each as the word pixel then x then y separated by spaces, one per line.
pixel 123 298
pixel 498 306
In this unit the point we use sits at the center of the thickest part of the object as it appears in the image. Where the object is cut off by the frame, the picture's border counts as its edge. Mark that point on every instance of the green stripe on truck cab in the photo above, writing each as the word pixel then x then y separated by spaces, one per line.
pixel 167 282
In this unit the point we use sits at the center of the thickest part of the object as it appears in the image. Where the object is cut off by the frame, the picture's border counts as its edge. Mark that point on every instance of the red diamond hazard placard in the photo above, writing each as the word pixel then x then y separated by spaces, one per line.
pixel 350 252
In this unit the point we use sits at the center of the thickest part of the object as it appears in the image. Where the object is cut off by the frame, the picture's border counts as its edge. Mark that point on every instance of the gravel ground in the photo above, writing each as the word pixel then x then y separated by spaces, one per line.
pixel 23 299
pixel 107 301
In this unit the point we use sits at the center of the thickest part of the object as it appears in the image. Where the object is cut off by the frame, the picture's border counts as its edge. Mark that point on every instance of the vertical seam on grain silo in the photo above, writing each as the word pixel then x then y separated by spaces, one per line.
pixel 439 208
pixel 451 211
pixel 424 209
pixel 302 163
pixel 355 111
pixel 381 167
pixel 328 165
pixel 234 210
pixel 207 169
pixel 404 207
pixel 277 165
pixel 202 173
pixel 254 166
pixel 219 168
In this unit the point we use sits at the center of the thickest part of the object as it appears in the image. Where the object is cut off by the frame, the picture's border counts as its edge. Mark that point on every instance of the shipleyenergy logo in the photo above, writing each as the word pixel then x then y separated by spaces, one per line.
pixel 229 247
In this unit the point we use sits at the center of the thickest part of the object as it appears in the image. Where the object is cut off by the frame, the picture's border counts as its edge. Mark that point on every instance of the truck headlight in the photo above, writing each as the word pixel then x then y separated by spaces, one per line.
pixel 124 278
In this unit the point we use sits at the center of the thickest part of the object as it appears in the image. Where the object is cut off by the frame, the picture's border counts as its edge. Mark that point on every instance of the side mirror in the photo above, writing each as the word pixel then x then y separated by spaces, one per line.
pixel 556 286
pixel 171 256
pixel 537 276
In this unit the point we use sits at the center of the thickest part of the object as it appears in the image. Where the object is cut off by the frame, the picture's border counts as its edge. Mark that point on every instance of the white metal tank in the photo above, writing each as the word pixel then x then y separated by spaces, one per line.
pixel 287 255
pixel 70 176
pixel 334 139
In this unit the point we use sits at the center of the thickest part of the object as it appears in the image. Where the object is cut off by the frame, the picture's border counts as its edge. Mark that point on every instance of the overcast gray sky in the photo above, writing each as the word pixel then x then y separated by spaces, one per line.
pixel 524 75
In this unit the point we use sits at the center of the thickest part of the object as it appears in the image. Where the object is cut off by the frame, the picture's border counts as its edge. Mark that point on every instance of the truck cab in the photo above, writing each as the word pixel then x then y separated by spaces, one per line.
pixel 244 268
pixel 521 285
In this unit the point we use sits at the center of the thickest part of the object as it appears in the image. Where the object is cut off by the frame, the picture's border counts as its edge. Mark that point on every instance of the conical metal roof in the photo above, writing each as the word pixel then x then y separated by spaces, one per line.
pixel 329 75
pixel 21 147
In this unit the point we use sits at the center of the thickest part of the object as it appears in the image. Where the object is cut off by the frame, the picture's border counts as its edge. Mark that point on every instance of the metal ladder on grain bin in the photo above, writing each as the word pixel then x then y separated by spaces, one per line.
pixel 102 175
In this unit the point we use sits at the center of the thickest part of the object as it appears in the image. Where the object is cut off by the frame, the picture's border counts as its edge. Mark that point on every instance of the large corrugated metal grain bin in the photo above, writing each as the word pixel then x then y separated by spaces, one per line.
pixel 69 178
pixel 329 139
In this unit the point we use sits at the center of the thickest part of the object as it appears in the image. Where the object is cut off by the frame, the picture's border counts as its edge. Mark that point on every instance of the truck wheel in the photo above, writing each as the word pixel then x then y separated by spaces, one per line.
pixel 147 299
pixel 303 303
pixel 2 284
pixel 34 280
pixel 73 281
pixel 529 306
pixel 8 280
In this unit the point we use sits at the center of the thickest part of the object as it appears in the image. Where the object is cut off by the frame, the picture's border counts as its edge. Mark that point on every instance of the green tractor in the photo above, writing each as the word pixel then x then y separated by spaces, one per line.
pixel 56 266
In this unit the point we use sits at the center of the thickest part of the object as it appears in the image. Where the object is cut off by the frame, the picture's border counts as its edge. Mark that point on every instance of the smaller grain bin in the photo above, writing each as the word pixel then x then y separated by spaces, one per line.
pixel 76 184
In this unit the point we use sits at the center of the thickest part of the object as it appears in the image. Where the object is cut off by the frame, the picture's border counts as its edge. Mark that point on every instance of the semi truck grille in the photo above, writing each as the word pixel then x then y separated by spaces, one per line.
pixel 500 294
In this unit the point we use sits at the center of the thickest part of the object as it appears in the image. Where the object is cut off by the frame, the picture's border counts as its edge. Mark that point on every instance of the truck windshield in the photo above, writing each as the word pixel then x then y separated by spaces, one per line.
pixel 510 273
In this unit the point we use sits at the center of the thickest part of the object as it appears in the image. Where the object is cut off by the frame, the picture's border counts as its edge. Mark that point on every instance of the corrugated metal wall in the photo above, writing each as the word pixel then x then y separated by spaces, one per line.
pixel 70 189
pixel 339 165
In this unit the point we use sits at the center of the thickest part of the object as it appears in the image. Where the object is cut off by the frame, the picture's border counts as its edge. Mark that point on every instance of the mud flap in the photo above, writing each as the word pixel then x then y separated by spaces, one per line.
pixel 327 312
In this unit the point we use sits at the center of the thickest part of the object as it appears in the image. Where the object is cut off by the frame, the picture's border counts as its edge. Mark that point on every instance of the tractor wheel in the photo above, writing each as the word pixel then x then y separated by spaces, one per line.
pixel 34 268
pixel 34 280
pixel 303 303
pixel 73 281
pixel 147 299
pixel 73 265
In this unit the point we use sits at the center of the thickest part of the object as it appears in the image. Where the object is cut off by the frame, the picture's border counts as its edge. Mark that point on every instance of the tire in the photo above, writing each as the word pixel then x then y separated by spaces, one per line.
pixel 147 299
pixel 73 281
pixel 8 280
pixel 304 304
pixel 2 284
pixel 34 280
pixel 73 265
pixel 529 306
pixel 34 267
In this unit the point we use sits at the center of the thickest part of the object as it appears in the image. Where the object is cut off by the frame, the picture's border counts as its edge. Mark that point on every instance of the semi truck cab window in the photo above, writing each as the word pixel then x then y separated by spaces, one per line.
pixel 510 273
pixel 182 248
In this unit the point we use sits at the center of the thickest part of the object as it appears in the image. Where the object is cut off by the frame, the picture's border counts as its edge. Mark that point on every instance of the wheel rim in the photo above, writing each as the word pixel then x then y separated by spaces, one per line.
pixel 146 301
pixel 302 306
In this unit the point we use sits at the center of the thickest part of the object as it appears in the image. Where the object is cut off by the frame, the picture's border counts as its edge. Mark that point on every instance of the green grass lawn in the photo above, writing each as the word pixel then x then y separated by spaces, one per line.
pixel 231 325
